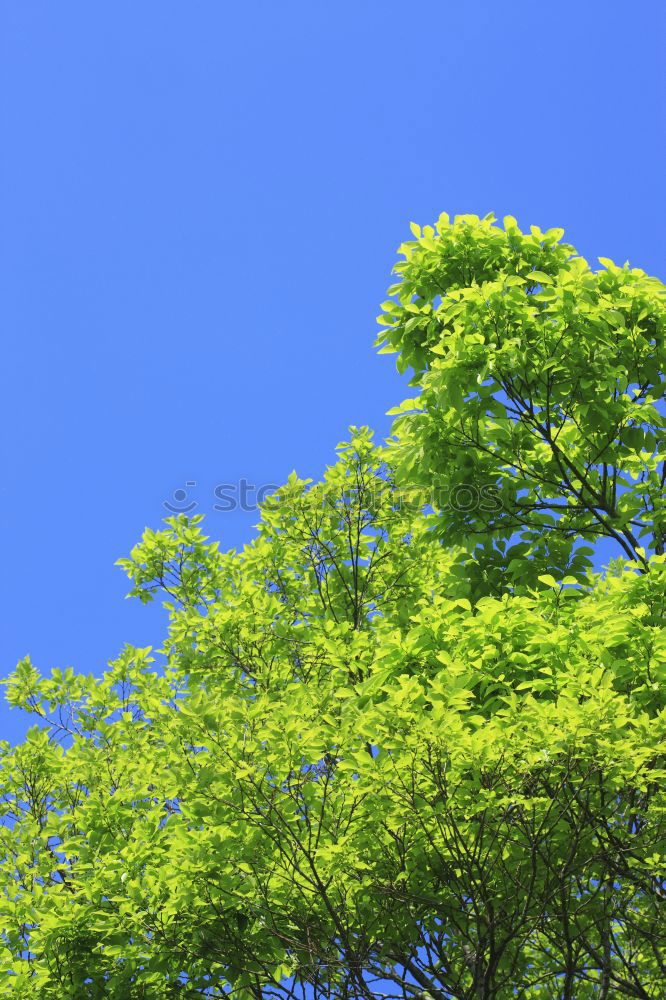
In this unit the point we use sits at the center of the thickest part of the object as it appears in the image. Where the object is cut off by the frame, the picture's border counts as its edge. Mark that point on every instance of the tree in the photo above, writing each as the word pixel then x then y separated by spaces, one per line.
pixel 538 376
pixel 376 761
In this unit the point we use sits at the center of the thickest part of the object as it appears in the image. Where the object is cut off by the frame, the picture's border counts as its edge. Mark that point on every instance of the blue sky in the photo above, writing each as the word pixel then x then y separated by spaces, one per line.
pixel 200 208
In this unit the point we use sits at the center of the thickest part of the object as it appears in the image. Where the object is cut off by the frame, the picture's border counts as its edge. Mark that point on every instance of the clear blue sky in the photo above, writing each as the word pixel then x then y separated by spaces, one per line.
pixel 200 208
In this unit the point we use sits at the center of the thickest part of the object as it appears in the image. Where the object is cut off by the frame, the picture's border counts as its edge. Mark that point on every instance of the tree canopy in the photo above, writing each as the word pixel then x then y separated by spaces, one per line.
pixel 400 745
pixel 538 375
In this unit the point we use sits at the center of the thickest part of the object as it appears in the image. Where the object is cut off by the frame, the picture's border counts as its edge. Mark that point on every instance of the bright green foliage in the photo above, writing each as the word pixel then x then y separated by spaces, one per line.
pixel 366 769
pixel 538 376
